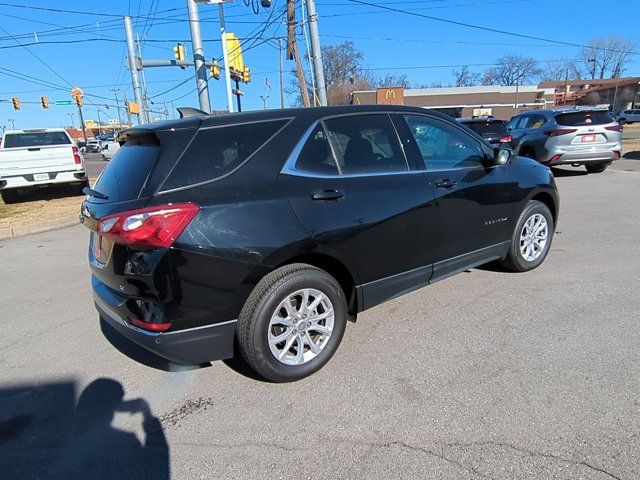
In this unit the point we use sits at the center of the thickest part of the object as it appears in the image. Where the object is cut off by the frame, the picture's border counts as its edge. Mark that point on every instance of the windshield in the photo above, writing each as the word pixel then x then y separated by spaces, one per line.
pixel 487 128
pixel 35 139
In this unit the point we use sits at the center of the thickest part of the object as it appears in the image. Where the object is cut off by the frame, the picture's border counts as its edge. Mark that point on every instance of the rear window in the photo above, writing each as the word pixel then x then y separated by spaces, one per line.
pixel 577 119
pixel 127 172
pixel 35 139
pixel 487 128
pixel 218 151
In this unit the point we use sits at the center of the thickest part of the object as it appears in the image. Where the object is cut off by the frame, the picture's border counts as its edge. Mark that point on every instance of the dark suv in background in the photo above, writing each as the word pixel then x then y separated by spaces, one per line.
pixel 491 129
pixel 269 230
pixel 576 136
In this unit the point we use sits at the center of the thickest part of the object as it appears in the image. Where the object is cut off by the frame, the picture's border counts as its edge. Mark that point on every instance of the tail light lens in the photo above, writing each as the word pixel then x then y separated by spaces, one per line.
pixel 151 227
pixel 77 159
pixel 560 131
pixel 506 139
pixel 616 153
pixel 152 327
pixel 615 128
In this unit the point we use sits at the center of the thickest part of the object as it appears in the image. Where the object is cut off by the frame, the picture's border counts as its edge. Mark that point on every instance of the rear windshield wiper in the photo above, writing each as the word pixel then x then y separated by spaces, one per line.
pixel 94 193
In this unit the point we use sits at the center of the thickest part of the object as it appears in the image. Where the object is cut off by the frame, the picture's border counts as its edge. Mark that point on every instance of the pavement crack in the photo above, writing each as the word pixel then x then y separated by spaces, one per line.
pixel 534 454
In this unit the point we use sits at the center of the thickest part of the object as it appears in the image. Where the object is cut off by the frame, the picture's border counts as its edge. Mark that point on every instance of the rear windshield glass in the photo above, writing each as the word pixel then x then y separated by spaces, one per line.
pixel 127 171
pixel 35 139
pixel 217 151
pixel 576 119
pixel 487 128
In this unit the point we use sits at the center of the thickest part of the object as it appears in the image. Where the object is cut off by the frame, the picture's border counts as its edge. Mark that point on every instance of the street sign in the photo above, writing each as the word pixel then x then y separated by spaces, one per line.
pixel 234 47
pixel 134 108
pixel 63 102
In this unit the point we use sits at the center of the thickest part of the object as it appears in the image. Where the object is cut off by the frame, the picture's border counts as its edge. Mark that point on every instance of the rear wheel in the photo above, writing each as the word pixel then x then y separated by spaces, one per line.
pixel 10 196
pixel 622 121
pixel 531 238
pixel 596 167
pixel 292 323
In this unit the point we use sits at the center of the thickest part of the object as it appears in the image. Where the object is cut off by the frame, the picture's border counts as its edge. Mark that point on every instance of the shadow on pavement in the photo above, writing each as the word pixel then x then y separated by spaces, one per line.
pixel 50 192
pixel 574 172
pixel 631 156
pixel 45 433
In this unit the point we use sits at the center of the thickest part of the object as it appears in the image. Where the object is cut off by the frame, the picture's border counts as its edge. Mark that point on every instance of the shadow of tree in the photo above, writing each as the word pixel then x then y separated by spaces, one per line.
pixel 44 433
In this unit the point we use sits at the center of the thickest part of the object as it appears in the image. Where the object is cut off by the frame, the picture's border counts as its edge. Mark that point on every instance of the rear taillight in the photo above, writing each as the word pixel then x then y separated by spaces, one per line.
pixel 615 128
pixel 616 153
pixel 77 159
pixel 560 131
pixel 151 227
pixel 152 327
pixel 506 139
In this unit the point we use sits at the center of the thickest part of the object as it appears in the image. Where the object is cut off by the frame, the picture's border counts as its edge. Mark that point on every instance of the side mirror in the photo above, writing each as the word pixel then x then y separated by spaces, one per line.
pixel 501 156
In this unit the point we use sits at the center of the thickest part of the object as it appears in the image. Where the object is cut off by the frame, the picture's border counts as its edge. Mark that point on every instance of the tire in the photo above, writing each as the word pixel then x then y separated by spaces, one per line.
pixel 78 188
pixel 267 302
pixel 516 260
pixel 596 167
pixel 10 196
pixel 622 121
pixel 529 153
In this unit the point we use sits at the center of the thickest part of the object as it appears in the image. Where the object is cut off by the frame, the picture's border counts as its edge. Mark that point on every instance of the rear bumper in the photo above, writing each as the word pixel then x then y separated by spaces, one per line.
pixel 582 158
pixel 190 346
pixel 27 180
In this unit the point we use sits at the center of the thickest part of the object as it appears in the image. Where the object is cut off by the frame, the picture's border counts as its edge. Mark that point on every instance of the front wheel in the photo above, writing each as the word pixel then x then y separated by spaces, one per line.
pixel 10 196
pixel 292 323
pixel 531 238
pixel 596 167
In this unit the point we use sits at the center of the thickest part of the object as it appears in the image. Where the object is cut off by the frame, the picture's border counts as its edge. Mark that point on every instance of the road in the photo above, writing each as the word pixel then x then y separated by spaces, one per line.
pixel 485 375
pixel 94 164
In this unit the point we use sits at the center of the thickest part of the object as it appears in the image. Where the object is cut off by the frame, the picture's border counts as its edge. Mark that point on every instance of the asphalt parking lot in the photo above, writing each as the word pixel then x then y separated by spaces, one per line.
pixel 485 375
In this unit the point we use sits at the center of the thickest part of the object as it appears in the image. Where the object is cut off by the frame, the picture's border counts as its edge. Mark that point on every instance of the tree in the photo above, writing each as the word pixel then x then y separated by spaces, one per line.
pixel 465 77
pixel 607 57
pixel 561 69
pixel 393 81
pixel 511 70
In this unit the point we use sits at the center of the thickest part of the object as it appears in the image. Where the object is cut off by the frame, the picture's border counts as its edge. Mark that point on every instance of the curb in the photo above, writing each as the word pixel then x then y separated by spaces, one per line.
pixel 24 230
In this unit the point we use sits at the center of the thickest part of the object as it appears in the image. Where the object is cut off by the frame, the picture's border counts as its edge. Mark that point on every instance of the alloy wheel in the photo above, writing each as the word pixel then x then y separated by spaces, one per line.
pixel 534 237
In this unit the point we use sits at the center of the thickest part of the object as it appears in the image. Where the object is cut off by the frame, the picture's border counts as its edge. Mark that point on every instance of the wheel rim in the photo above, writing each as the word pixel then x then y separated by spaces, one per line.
pixel 534 237
pixel 301 326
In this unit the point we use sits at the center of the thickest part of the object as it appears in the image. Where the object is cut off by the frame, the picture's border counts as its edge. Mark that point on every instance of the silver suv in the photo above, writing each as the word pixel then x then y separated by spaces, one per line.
pixel 589 137
pixel 628 116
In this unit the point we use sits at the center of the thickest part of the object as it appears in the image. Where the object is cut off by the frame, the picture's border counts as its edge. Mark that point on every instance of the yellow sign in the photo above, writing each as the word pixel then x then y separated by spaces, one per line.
pixel 89 123
pixel 234 52
pixel 134 107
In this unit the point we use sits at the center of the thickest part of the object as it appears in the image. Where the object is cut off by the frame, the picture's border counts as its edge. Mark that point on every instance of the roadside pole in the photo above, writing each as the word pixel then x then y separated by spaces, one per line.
pixel 198 56
pixel 225 56
pixel 133 68
pixel 126 102
pixel 280 54
pixel 84 129
pixel 115 94
pixel 316 52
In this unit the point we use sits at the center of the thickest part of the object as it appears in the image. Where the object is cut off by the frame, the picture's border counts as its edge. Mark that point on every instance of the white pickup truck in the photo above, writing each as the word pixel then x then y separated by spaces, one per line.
pixel 37 158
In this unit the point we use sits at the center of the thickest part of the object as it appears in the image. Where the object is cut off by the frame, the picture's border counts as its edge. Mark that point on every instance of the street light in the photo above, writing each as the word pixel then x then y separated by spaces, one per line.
pixel 13 123
pixel 72 125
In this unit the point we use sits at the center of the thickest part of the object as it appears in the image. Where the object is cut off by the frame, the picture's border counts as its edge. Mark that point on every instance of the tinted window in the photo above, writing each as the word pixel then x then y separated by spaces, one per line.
pixel 576 119
pixel 444 146
pixel 487 128
pixel 316 154
pixel 127 171
pixel 536 121
pixel 217 151
pixel 35 139
pixel 365 143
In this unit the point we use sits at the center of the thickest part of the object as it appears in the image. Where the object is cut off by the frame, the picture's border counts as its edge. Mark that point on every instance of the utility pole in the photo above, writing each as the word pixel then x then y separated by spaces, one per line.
pixel 146 110
pixel 126 102
pixel 280 54
pixel 99 122
pixel 115 94
pixel 84 129
pixel 133 68
pixel 316 52
pixel 198 55
pixel 225 56
pixel 293 53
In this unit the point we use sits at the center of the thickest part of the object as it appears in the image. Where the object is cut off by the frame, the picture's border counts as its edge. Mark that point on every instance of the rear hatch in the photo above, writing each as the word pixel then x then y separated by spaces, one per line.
pixel 36 151
pixel 587 130
pixel 490 130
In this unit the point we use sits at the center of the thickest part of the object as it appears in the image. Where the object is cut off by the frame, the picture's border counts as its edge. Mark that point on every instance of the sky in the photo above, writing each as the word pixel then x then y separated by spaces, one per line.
pixel 44 52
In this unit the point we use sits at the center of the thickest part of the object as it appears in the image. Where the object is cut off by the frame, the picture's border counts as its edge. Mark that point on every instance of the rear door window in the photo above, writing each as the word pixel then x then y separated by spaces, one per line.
pixel 35 139
pixel 218 151
pixel 316 156
pixel 578 119
pixel 365 144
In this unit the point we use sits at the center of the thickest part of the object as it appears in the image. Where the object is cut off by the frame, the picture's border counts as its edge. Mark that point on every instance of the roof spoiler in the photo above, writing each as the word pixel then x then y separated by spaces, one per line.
pixel 186 112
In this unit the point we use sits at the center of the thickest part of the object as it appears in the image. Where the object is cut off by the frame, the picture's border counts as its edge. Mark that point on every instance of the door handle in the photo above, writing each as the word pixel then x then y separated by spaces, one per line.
pixel 331 194
pixel 446 184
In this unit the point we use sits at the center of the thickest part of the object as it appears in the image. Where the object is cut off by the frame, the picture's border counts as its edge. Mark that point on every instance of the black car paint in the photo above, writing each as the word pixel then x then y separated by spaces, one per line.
pixel 389 234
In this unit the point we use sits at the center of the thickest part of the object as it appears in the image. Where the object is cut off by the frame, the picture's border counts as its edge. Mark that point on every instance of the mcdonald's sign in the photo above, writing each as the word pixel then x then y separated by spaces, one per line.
pixel 390 96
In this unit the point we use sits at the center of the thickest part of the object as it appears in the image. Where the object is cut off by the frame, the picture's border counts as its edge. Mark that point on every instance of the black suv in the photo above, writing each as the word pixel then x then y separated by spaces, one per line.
pixel 264 232
pixel 492 130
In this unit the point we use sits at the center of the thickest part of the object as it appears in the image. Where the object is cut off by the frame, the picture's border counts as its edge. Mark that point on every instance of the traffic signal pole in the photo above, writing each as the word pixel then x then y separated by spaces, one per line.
pixel 133 68
pixel 198 56
pixel 225 55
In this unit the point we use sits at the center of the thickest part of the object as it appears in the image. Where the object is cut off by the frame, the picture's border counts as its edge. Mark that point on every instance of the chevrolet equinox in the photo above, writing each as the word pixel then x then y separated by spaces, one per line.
pixel 264 232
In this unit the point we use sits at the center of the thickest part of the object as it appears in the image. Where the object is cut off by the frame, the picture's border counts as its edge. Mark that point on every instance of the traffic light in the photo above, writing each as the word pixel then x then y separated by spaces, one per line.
pixel 79 101
pixel 246 74
pixel 45 102
pixel 16 103
pixel 214 70
pixel 178 52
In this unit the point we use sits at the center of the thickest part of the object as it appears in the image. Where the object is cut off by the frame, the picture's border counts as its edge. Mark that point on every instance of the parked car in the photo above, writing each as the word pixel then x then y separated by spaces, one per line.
pixel 109 149
pixel 589 137
pixel 273 228
pixel 628 116
pixel 491 129
pixel 38 158
pixel 93 146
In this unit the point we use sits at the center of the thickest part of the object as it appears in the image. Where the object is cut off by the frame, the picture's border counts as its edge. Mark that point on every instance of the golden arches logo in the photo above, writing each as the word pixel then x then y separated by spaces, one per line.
pixel 390 94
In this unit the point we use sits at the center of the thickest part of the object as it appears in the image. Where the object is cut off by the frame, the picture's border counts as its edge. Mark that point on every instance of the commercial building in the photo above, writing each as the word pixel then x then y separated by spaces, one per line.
pixel 617 93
